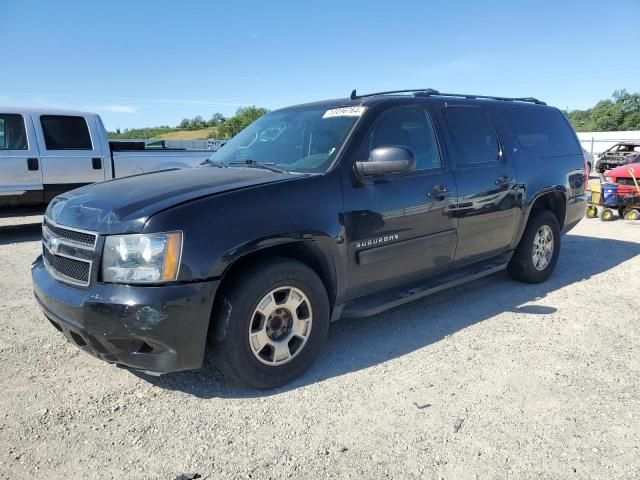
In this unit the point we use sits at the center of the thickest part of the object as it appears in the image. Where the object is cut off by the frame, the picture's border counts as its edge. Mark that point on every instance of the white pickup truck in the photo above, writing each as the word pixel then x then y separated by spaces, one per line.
pixel 46 152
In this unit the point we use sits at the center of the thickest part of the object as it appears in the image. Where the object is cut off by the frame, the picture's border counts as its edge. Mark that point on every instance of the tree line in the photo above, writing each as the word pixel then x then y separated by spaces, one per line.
pixel 621 112
pixel 220 127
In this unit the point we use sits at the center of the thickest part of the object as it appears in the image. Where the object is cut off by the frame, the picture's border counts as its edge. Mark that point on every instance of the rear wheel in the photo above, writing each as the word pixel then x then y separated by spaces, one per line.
pixel 622 211
pixel 537 253
pixel 270 322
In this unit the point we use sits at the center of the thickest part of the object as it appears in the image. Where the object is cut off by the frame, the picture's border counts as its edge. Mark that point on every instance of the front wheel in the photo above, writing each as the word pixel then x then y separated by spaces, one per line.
pixel 269 323
pixel 537 253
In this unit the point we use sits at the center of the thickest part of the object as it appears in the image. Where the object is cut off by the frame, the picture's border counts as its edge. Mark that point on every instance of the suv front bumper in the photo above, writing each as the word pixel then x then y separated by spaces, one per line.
pixel 155 329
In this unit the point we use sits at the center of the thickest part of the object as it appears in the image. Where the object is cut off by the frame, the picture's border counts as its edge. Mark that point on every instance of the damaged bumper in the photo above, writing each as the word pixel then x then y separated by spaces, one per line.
pixel 605 164
pixel 156 329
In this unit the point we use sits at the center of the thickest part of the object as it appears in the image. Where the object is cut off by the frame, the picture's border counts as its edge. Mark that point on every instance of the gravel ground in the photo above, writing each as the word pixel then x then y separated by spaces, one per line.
pixel 492 380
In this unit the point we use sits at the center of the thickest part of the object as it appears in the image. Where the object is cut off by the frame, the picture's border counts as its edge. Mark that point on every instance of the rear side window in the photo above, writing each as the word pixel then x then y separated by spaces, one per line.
pixel 542 132
pixel 13 135
pixel 63 132
pixel 474 136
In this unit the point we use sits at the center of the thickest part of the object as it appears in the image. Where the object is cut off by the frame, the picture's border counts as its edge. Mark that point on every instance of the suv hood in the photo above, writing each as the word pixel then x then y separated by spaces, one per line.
pixel 124 205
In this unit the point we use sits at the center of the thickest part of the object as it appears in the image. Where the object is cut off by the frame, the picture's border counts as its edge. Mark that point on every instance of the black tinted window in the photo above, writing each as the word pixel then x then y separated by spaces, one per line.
pixel 473 134
pixel 410 127
pixel 542 132
pixel 65 133
pixel 12 132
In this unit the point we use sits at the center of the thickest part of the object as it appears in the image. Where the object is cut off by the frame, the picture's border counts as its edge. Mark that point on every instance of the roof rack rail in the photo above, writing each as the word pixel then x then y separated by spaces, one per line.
pixel 430 92
pixel 354 95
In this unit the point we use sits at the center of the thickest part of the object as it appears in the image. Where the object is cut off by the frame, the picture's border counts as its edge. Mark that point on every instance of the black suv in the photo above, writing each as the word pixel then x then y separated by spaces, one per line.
pixel 341 208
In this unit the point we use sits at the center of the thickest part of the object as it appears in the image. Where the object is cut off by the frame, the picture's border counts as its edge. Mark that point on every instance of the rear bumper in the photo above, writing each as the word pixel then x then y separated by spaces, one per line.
pixel 156 329
pixel 576 210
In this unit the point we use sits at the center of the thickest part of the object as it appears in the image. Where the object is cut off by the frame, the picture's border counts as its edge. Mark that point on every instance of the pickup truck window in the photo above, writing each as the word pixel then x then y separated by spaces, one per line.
pixel 304 140
pixel 13 135
pixel 474 136
pixel 62 132
pixel 542 133
pixel 410 127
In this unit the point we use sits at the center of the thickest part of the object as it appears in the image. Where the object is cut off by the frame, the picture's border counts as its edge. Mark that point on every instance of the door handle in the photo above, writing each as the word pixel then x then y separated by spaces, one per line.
pixel 33 164
pixel 96 163
pixel 502 179
pixel 439 192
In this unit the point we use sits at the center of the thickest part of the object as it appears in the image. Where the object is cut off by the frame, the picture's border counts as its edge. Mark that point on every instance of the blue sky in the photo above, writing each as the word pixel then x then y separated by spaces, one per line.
pixel 146 63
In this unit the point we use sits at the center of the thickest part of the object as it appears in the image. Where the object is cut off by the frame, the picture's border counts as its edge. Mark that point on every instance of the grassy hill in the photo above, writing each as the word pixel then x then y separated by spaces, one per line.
pixel 181 134
pixel 197 128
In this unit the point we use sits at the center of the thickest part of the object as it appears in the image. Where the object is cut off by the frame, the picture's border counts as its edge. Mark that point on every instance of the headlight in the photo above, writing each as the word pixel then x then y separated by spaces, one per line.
pixel 145 258
pixel 609 179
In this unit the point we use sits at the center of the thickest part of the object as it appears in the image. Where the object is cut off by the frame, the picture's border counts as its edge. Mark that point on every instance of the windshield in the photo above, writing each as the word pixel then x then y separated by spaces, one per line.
pixel 298 140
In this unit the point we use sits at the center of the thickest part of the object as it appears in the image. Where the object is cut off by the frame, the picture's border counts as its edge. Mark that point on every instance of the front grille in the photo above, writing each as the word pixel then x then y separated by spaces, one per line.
pixel 68 253
pixel 71 269
pixel 626 181
pixel 71 235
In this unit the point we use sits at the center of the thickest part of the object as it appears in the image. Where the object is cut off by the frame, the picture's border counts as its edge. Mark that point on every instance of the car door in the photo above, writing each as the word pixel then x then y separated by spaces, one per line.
pixel 72 154
pixel 400 227
pixel 488 194
pixel 20 172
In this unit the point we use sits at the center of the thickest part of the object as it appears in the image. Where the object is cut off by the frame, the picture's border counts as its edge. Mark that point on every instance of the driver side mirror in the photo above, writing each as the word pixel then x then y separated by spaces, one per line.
pixel 387 160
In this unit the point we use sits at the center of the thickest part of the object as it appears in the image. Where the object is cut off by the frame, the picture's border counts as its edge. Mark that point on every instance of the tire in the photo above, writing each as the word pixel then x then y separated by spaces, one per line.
pixel 592 212
pixel 606 215
pixel 522 266
pixel 622 211
pixel 632 214
pixel 243 310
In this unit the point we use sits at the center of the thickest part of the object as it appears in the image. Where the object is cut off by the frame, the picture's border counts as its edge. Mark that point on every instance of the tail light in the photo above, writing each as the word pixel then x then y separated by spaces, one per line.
pixel 587 173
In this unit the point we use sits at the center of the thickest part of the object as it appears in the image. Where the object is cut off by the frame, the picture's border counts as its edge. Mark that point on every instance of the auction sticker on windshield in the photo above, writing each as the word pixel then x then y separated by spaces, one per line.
pixel 344 112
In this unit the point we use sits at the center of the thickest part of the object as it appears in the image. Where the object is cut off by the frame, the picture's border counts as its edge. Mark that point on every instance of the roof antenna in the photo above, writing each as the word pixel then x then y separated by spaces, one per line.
pixel 354 95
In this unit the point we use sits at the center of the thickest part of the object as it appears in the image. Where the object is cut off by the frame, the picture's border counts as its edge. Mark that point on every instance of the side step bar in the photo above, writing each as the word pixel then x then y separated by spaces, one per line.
pixel 376 303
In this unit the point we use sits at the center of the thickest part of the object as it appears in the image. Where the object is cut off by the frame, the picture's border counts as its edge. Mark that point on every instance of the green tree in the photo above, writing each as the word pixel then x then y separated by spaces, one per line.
pixel 243 118
pixel 216 120
pixel 621 112
pixel 198 123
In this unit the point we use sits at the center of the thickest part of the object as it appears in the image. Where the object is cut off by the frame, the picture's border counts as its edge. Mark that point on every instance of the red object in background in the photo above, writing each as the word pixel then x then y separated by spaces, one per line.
pixel 623 178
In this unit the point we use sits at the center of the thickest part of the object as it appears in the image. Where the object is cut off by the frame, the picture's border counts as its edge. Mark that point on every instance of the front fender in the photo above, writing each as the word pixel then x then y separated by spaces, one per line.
pixel 224 228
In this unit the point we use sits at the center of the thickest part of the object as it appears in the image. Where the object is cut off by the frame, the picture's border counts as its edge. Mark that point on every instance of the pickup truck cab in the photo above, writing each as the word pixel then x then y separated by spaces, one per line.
pixel 47 152
pixel 340 208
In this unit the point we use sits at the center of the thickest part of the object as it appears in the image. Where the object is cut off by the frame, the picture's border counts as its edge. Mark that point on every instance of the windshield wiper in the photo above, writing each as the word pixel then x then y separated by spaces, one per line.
pixel 215 163
pixel 253 164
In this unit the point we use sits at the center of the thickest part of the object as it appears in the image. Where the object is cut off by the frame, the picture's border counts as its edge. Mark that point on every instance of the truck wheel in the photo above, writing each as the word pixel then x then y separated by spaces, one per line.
pixel 270 323
pixel 537 253
pixel 592 212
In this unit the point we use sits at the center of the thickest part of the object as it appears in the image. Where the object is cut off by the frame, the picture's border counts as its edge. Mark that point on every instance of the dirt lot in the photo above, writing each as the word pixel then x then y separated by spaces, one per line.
pixel 493 380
